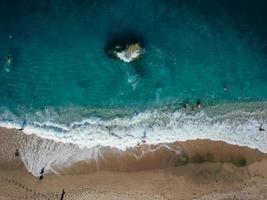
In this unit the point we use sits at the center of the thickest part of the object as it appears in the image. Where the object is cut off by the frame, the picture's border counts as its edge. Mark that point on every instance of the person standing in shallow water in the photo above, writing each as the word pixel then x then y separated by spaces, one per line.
pixel 41 174
pixel 23 125
pixel 261 129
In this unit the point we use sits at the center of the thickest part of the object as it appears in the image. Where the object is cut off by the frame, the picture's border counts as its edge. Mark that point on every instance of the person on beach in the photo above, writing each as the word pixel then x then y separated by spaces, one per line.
pixel 41 177
pixel 42 170
pixel 17 153
pixel 62 194
pixel 261 129
pixel 23 125
pixel 42 174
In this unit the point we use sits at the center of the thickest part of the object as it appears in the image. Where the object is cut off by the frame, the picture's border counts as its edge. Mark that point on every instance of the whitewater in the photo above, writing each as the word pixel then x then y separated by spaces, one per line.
pixel 233 123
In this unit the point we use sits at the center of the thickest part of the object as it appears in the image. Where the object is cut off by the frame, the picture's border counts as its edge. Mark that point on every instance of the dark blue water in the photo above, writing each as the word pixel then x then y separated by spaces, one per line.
pixel 193 50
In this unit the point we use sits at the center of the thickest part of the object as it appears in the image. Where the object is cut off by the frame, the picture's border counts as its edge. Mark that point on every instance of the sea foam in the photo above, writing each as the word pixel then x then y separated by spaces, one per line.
pixel 64 144
pixel 233 124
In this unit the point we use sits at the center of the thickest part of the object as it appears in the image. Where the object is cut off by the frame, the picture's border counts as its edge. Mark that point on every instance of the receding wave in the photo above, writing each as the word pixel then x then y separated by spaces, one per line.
pixel 232 123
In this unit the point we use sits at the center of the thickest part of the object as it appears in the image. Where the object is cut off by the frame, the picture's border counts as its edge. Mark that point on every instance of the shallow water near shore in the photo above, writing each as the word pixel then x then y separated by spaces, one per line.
pixel 62 83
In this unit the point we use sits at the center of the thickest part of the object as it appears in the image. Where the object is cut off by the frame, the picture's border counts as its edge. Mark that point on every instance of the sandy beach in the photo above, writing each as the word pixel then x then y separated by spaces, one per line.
pixel 133 100
pixel 197 169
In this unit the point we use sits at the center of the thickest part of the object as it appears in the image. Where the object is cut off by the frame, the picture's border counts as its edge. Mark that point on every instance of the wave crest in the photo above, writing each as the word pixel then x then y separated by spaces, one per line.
pixel 235 124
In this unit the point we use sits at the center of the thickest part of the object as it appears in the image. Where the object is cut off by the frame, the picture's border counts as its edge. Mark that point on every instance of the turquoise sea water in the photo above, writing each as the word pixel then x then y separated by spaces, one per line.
pixel 64 85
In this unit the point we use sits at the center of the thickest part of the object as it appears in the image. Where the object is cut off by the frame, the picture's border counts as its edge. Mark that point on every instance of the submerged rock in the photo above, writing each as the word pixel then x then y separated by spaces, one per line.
pixel 128 53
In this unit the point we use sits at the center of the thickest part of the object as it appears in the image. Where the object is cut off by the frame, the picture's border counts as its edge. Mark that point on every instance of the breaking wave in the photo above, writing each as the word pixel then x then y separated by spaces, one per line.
pixel 232 123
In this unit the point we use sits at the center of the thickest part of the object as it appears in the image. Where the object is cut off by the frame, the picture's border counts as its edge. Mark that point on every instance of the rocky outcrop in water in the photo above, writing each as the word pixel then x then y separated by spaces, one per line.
pixel 127 53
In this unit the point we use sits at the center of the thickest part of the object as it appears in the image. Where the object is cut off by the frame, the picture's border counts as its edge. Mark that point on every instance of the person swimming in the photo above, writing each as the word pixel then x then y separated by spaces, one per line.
pixel 9 59
pixel 8 63
pixel 225 88
pixel 198 104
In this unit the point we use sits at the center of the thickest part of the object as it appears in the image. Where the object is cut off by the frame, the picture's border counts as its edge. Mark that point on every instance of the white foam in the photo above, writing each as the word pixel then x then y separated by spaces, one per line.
pixel 235 127
pixel 128 56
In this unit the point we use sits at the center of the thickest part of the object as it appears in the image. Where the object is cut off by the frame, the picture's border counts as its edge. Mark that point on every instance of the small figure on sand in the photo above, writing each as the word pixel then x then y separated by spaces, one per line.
pixel 261 129
pixel 42 174
pixel 17 153
pixel 23 125
pixel 62 194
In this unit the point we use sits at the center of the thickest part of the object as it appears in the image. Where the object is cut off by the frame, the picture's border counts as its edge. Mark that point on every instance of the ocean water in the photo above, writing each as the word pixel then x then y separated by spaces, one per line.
pixel 64 86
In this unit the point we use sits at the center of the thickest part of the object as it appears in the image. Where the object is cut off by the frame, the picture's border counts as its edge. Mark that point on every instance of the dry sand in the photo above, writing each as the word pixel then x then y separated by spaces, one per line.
pixel 203 170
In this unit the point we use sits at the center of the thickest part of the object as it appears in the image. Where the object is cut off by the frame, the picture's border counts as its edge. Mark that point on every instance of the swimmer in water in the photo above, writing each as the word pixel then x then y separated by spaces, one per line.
pixel 225 87
pixel 198 104
pixel 9 59
pixel 8 63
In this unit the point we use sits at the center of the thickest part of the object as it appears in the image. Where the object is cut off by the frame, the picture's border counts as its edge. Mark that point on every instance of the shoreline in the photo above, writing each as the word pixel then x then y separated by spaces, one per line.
pixel 232 123
pixel 65 158
pixel 204 169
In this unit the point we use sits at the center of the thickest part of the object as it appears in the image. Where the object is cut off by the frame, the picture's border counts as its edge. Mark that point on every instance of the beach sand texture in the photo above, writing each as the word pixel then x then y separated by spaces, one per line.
pixel 203 169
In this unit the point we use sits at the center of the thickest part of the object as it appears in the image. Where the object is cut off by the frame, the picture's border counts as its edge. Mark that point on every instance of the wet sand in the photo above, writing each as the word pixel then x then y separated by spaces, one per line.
pixel 197 169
